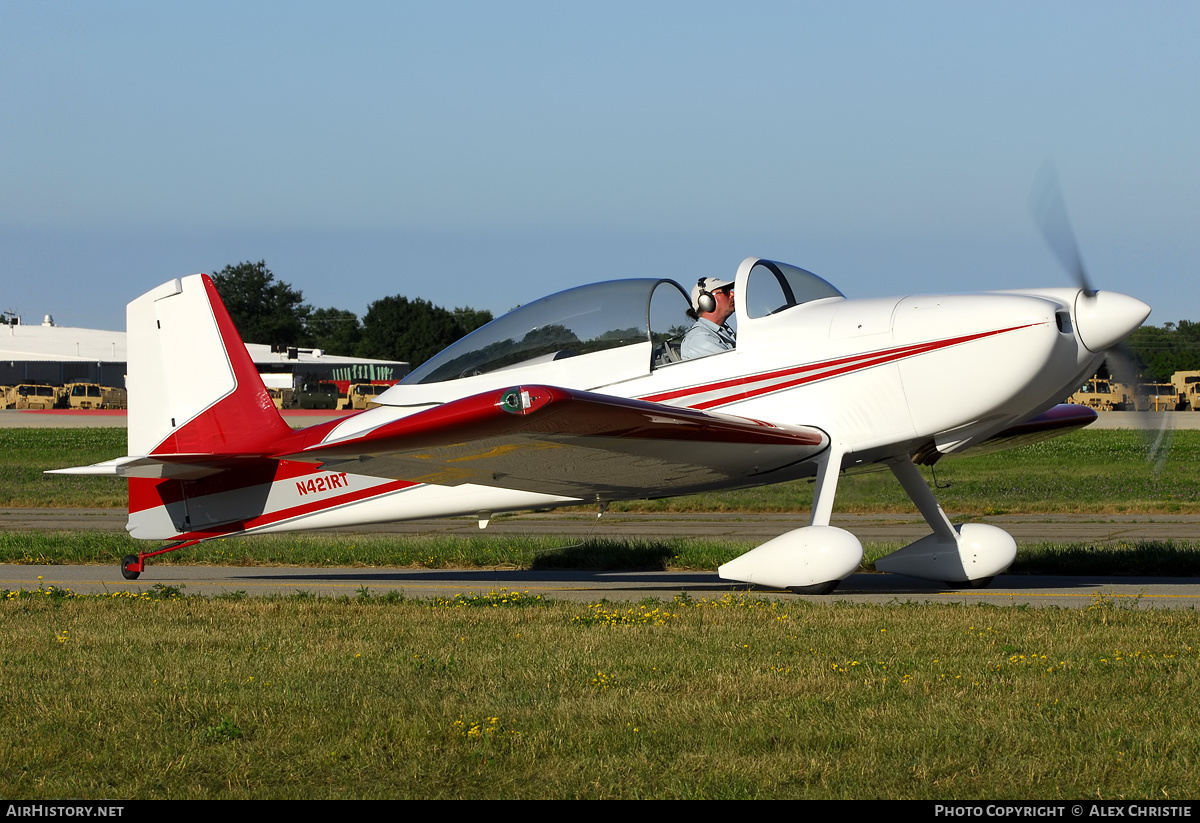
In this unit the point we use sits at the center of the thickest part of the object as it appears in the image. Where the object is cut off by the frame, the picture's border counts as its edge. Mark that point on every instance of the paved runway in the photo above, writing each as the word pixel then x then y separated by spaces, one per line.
pixel 624 585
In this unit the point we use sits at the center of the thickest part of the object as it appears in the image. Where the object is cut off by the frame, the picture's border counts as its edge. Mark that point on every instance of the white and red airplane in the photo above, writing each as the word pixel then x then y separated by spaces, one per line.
pixel 581 397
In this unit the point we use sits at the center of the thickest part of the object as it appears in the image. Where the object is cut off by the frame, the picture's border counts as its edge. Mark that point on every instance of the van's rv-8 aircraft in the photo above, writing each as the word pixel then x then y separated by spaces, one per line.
pixel 581 397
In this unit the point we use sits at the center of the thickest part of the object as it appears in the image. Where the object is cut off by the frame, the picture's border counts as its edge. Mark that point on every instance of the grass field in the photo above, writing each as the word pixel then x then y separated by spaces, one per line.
pixel 504 695
pixel 510 696
pixel 26 453
pixel 1088 471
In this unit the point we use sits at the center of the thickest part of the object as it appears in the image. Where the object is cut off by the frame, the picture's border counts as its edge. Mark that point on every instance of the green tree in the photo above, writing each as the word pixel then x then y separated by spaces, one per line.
pixel 471 319
pixel 1163 351
pixel 396 328
pixel 265 310
pixel 335 331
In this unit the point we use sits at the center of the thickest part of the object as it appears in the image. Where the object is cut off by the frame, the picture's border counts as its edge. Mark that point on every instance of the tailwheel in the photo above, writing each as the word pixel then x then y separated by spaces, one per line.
pixel 131 567
pixel 817 588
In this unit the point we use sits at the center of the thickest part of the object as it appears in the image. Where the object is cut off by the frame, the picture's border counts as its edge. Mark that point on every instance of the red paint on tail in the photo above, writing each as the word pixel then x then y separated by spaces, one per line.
pixel 245 421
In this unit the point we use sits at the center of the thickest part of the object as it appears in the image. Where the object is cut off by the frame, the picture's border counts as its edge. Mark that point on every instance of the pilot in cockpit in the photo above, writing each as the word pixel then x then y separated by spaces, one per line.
pixel 712 306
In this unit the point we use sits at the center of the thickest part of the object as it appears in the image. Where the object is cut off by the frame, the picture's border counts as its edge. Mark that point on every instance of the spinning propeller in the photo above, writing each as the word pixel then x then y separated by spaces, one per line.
pixel 1050 211
pixel 1102 319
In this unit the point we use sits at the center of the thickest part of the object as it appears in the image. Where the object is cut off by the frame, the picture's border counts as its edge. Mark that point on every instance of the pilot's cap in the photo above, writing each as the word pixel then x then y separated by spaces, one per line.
pixel 710 285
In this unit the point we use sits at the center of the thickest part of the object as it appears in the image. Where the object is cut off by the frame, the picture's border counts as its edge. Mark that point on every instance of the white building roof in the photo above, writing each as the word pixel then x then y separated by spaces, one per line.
pixel 64 343
pixel 22 342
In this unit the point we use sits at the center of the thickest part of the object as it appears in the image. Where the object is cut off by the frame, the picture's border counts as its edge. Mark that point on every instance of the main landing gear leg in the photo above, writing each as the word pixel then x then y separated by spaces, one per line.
pixel 969 555
pixel 918 490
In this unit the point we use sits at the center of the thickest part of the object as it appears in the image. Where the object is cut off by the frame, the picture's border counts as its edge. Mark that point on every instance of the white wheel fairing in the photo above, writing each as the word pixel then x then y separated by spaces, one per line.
pixel 802 557
pixel 981 551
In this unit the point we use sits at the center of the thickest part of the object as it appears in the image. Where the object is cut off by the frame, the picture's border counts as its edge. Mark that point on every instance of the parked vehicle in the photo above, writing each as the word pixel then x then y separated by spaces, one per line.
pixel 1102 395
pixel 317 395
pixel 91 396
pixel 361 396
pixel 31 396
pixel 1187 384
pixel 283 398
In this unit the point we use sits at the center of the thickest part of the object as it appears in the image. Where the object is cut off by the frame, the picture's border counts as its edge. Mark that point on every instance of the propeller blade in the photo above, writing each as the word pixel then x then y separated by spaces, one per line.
pixel 1101 322
pixel 1160 448
pixel 1157 429
pixel 1050 213
pixel 1123 368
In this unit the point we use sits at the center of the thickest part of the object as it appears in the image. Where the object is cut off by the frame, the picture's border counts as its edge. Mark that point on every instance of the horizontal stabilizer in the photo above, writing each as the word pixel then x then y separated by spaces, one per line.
pixel 179 467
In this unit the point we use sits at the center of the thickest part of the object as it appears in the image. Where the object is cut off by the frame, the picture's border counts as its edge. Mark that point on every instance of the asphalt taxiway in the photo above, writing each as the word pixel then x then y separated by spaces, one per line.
pixel 1067 591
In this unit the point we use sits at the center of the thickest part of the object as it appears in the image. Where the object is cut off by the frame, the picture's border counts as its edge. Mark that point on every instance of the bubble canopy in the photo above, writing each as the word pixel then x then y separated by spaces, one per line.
pixel 570 323
pixel 610 315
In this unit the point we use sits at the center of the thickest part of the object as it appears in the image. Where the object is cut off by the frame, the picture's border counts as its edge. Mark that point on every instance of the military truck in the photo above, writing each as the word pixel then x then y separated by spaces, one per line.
pixel 31 396
pixel 1159 397
pixel 361 396
pixel 1102 395
pixel 317 395
pixel 92 396
pixel 1187 384
pixel 283 398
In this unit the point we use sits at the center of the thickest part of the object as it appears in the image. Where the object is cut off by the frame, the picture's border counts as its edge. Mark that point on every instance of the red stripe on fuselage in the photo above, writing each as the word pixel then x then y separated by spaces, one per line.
pixel 829 368
pixel 297 511
pixel 146 493
pixel 270 518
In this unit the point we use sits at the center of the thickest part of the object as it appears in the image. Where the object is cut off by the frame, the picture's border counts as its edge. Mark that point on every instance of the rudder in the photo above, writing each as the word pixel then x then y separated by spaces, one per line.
pixel 193 388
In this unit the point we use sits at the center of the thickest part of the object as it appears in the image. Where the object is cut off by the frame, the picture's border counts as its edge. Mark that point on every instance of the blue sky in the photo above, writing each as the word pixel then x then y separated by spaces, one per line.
pixel 485 154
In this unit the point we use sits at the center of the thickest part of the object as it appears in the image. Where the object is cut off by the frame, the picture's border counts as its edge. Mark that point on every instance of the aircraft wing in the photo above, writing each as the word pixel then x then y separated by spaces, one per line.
pixel 1054 422
pixel 572 443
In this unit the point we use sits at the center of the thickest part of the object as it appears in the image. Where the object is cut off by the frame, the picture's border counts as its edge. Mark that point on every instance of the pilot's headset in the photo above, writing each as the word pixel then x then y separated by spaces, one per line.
pixel 705 301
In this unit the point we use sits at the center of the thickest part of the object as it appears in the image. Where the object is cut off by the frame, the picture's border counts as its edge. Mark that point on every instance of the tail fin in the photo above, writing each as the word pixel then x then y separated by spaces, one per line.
pixel 193 388
pixel 196 407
